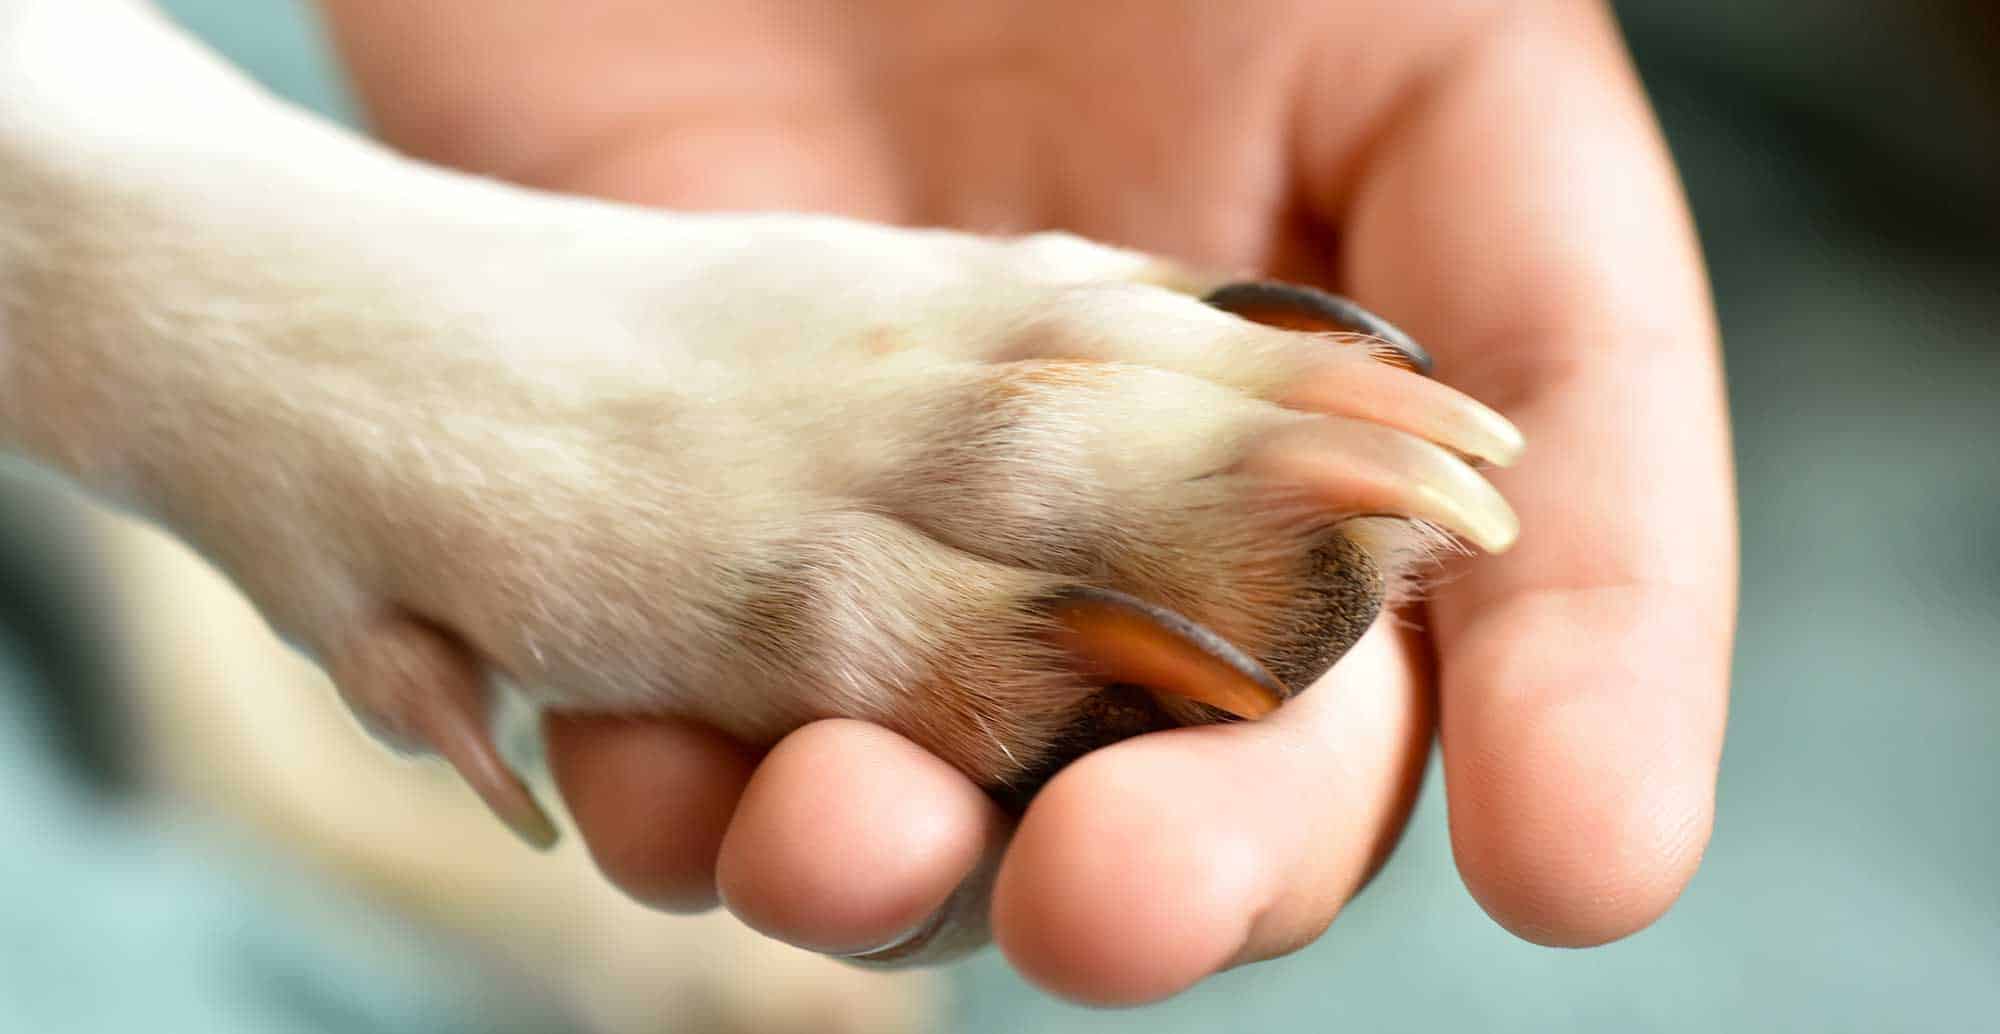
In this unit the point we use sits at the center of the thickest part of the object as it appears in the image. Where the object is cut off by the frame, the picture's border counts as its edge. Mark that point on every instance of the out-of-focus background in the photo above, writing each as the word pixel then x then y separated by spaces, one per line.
pixel 1844 161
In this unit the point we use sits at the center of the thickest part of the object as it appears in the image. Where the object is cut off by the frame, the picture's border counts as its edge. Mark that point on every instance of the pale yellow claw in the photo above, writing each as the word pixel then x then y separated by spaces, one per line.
pixel 1359 467
pixel 1398 398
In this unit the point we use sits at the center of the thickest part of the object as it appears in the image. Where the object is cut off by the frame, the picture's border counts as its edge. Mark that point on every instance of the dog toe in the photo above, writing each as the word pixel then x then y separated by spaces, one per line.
pixel 418 688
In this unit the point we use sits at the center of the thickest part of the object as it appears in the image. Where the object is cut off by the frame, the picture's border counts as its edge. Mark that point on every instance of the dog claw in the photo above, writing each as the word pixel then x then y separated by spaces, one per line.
pixel 1370 391
pixel 1124 640
pixel 1363 468
pixel 1429 409
pixel 419 687
pixel 1297 307
pixel 459 734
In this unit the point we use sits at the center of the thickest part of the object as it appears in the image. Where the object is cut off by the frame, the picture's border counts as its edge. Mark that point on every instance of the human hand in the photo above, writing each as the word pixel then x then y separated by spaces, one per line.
pixel 1486 175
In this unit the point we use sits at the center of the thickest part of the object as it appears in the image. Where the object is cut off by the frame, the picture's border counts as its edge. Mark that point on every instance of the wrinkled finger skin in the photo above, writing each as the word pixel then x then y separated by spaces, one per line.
pixel 1486 175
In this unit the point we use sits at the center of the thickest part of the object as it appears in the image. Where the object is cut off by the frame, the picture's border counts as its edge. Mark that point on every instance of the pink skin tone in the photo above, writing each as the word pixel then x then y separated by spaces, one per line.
pixel 1486 174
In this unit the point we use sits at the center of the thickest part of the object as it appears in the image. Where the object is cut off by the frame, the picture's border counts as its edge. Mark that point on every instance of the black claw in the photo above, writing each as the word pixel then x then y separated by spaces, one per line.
pixel 1309 308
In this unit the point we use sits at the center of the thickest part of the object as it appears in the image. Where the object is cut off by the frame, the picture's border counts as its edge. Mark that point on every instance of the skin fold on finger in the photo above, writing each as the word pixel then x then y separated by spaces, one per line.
pixel 1584 675
pixel 652 798
pixel 1149 865
pixel 850 837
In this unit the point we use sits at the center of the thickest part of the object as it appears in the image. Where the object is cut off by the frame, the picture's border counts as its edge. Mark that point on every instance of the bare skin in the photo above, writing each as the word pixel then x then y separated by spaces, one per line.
pixel 1487 175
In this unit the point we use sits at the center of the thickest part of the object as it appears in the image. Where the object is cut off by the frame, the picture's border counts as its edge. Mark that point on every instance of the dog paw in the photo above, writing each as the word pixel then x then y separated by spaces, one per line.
pixel 1199 510
pixel 1013 499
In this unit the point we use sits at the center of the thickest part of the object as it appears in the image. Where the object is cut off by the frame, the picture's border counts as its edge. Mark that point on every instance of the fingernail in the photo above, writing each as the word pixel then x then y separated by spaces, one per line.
pixel 955 930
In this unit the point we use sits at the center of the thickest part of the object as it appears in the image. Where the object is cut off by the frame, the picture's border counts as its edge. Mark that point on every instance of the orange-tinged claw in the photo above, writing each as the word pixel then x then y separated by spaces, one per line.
pixel 1383 392
pixel 1121 639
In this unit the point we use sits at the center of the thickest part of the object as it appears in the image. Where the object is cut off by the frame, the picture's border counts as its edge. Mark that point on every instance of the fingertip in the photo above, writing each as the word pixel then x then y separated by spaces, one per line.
pixel 652 798
pixel 849 837
pixel 1581 783
pixel 1585 868
pixel 1113 894
pixel 1150 865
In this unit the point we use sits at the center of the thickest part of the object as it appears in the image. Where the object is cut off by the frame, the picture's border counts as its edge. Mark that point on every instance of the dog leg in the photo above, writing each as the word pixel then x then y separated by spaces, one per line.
pixel 1010 497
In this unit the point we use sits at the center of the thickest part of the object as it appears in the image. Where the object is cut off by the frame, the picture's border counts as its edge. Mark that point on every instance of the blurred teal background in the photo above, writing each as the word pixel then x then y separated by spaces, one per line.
pixel 1844 161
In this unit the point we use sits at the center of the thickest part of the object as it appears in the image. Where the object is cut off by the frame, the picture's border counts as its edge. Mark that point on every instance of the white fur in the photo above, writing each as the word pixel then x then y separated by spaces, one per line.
pixel 752 468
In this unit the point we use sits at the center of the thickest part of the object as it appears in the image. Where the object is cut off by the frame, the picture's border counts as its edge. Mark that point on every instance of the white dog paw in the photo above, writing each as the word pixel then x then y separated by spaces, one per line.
pixel 1013 499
